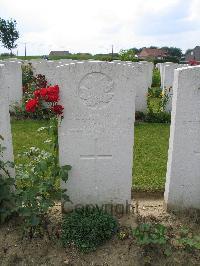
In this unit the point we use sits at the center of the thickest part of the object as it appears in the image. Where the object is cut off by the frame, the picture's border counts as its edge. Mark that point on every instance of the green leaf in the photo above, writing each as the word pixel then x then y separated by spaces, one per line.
pixel 10 164
pixel 67 167
pixel 35 220
pixel 64 172
pixel 65 197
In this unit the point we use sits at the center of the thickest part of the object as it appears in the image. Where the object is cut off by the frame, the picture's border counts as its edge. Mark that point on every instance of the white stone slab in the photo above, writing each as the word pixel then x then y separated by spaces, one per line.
pixel 161 68
pixel 47 68
pixel 96 134
pixel 182 189
pixel 143 81
pixel 168 79
pixel 168 75
pixel 5 127
pixel 150 67
pixel 13 81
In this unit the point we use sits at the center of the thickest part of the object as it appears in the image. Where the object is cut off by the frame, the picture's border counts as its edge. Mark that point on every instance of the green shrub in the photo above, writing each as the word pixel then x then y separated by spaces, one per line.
pixel 160 117
pixel 156 78
pixel 7 198
pixel 27 75
pixel 7 183
pixel 167 59
pixel 87 228
pixel 156 105
pixel 190 243
pixel 38 188
pixel 139 115
pixel 188 240
pixel 147 234
pixel 155 92
pixel 127 55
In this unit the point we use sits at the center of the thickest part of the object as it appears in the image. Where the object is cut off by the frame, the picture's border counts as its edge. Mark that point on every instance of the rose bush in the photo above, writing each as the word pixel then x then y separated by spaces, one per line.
pixel 39 181
pixel 35 87
pixel 45 98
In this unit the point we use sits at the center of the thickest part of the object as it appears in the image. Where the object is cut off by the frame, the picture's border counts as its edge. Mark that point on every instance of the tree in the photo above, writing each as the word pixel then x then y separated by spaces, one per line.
pixel 188 51
pixel 8 34
pixel 173 51
pixel 135 50
pixel 153 47
pixel 127 55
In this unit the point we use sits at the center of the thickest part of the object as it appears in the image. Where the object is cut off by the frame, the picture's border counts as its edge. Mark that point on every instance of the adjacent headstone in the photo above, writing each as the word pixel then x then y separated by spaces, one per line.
pixel 13 77
pixel 182 189
pixel 168 75
pixel 5 128
pixel 47 68
pixel 96 134
pixel 144 81
pixel 150 67
pixel 142 87
pixel 158 66
pixel 168 79
pixel 161 68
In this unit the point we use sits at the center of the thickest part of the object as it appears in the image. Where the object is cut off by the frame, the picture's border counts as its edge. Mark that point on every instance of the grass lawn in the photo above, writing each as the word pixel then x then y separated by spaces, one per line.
pixel 150 151
pixel 25 135
pixel 150 156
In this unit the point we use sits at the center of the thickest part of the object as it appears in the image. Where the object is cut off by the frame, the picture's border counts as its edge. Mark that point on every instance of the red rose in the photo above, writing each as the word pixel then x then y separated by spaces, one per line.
pixel 43 92
pixel 51 98
pixel 37 93
pixel 54 89
pixel 52 94
pixel 58 109
pixel 31 105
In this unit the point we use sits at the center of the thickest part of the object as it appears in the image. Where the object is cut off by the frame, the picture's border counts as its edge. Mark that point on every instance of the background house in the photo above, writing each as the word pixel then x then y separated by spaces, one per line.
pixel 59 53
pixel 152 53
pixel 193 54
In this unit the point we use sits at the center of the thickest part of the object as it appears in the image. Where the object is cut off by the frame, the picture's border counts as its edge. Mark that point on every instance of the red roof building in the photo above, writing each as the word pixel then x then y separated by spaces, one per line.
pixel 152 53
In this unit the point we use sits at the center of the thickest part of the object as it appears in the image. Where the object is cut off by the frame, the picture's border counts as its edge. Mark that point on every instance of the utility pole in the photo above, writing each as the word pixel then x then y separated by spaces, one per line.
pixel 112 53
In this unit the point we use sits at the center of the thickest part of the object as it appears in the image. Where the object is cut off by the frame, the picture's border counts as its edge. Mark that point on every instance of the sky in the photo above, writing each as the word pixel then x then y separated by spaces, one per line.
pixel 95 25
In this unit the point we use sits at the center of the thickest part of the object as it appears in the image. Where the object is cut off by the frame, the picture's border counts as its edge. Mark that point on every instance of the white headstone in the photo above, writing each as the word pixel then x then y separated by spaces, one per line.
pixel 96 134
pixel 161 68
pixel 5 127
pixel 144 80
pixel 47 68
pixel 168 79
pixel 13 77
pixel 142 88
pixel 150 67
pixel 182 189
pixel 168 75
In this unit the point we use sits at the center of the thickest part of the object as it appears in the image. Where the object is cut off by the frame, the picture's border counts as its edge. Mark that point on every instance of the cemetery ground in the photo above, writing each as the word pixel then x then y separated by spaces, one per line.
pixel 123 249
pixel 151 145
